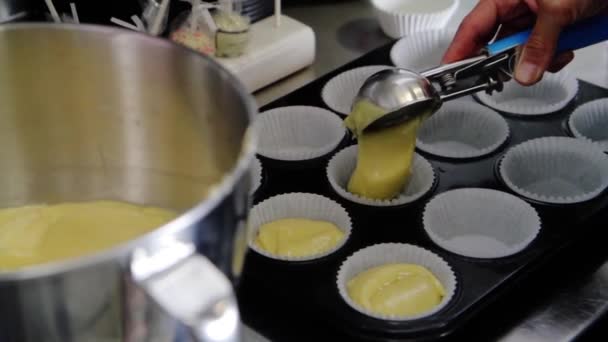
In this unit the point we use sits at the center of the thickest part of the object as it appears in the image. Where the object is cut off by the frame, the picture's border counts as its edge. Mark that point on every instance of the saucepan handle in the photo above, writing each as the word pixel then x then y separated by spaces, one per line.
pixel 191 289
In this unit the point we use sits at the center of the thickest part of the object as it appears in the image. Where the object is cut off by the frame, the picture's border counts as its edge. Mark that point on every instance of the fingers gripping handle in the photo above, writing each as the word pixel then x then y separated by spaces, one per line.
pixel 585 33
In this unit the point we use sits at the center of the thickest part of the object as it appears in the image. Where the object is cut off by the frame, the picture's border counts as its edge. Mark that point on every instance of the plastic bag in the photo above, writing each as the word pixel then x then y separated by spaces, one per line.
pixel 196 28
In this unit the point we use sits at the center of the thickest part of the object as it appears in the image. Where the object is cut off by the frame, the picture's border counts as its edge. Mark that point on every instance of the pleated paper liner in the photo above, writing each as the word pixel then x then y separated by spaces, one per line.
pixel 298 205
pixel 422 50
pixel 590 122
pixel 462 129
pixel 342 166
pixel 557 170
pixel 256 176
pixel 390 253
pixel 480 223
pixel 550 95
pixel 298 133
pixel 340 92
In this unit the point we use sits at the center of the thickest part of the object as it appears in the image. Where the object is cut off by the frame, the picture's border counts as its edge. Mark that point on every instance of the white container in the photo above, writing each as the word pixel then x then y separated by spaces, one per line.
pixel 402 17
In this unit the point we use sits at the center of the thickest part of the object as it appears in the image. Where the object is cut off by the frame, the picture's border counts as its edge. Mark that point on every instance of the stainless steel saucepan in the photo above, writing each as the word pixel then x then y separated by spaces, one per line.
pixel 92 113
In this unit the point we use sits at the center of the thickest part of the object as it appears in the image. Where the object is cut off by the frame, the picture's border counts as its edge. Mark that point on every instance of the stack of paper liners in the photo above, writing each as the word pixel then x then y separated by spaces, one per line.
pixel 399 18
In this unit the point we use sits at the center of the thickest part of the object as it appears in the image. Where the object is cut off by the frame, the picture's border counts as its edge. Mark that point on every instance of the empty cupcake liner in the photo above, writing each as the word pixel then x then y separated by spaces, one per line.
pixel 550 95
pixel 422 50
pixel 256 176
pixel 462 129
pixel 480 223
pixel 388 253
pixel 402 17
pixel 557 170
pixel 298 132
pixel 590 122
pixel 340 92
pixel 342 165
pixel 298 205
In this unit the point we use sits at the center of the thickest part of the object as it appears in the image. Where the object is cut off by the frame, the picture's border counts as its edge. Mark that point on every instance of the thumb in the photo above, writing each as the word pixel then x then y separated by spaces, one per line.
pixel 539 51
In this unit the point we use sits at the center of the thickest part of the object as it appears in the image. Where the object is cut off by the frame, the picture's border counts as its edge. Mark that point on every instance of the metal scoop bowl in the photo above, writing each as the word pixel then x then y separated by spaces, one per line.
pixel 403 94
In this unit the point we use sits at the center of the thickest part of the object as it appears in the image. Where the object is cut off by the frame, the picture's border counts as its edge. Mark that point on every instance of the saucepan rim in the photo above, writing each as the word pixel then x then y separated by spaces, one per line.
pixel 120 252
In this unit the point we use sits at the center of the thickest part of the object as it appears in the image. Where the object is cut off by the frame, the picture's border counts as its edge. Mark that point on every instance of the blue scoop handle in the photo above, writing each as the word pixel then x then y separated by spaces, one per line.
pixel 582 34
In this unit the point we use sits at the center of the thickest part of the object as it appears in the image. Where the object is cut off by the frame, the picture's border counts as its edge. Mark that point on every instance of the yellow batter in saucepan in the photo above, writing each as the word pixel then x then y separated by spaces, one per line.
pixel 38 234
pixel 298 237
pixel 384 157
pixel 396 289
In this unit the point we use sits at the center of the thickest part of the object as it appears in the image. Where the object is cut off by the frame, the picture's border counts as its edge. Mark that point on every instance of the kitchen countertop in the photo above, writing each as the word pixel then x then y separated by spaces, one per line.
pixel 346 30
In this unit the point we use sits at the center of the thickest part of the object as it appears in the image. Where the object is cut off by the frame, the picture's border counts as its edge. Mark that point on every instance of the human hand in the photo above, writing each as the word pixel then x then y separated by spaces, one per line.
pixel 549 17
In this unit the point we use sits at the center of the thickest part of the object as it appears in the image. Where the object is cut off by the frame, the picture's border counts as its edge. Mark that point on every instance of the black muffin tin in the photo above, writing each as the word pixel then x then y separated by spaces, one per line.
pixel 299 301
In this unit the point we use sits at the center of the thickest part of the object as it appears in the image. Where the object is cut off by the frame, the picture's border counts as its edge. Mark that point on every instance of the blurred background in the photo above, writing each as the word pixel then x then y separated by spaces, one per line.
pixel 100 12
pixel 345 30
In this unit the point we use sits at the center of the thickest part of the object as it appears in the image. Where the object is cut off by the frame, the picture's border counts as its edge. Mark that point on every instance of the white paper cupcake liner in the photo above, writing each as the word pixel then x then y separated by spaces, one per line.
pixel 590 122
pixel 421 51
pixel 388 253
pixel 298 205
pixel 480 223
pixel 402 17
pixel 298 132
pixel 558 170
pixel 342 165
pixel 551 94
pixel 462 129
pixel 340 92
pixel 256 176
